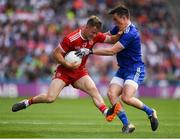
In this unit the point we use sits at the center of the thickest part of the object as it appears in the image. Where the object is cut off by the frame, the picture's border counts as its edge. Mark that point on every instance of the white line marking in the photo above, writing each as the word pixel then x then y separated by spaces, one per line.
pixel 75 123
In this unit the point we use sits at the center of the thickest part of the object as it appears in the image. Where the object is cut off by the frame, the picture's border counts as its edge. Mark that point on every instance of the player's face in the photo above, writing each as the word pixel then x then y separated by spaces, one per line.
pixel 92 31
pixel 120 21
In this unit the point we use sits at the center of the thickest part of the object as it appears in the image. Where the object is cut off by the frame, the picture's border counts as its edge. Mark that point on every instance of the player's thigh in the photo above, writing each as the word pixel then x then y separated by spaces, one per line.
pixel 116 86
pixel 129 90
pixel 55 87
pixel 86 84
pixel 132 81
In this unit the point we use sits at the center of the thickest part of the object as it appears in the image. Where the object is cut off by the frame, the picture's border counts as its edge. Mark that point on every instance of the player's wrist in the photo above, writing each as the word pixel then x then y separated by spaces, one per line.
pixel 120 33
pixel 90 51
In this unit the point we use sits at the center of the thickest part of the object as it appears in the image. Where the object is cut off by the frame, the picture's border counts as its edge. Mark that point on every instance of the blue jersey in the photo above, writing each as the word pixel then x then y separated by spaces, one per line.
pixel 130 57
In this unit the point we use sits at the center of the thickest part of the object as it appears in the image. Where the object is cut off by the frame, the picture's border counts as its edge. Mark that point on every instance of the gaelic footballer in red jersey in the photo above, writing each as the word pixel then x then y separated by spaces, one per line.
pixel 73 73
pixel 72 42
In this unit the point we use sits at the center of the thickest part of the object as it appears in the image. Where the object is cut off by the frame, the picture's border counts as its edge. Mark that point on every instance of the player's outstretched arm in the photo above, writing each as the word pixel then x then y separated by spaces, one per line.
pixel 117 47
pixel 112 38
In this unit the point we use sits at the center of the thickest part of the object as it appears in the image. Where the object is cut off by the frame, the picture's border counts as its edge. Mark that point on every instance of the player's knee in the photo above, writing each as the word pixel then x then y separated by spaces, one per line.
pixel 125 99
pixel 112 96
pixel 50 99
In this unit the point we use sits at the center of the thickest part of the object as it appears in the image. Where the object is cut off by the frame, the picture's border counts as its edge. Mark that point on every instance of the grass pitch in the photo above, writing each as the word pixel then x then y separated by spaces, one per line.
pixel 78 118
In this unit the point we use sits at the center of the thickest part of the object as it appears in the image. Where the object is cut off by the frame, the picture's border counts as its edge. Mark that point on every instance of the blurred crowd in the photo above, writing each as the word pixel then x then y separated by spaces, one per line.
pixel 31 29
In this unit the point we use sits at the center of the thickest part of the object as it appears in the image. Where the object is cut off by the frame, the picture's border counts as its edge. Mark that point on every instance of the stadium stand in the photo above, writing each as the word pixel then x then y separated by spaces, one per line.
pixel 30 29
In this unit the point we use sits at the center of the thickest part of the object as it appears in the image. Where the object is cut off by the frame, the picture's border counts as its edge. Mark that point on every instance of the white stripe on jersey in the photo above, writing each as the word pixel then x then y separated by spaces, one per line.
pixel 71 37
pixel 74 37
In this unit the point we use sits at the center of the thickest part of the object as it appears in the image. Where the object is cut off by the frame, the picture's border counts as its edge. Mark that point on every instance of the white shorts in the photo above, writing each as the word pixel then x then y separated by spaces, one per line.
pixel 121 82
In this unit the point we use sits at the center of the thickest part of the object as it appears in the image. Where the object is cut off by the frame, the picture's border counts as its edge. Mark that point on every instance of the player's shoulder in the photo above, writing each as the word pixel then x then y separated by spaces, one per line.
pixel 114 30
pixel 131 30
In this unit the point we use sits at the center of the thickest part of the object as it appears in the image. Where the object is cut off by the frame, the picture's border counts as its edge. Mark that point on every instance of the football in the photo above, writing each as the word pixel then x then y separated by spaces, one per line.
pixel 71 57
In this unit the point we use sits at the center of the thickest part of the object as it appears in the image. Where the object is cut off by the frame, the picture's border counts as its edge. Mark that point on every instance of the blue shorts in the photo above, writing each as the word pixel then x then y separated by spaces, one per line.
pixel 134 77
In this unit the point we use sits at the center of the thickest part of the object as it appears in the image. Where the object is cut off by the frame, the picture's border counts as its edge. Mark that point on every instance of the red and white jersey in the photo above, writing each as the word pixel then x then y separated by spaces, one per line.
pixel 74 41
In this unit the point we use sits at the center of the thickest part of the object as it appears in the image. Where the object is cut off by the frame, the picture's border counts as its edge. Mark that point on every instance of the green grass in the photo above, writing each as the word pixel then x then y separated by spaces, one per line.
pixel 78 118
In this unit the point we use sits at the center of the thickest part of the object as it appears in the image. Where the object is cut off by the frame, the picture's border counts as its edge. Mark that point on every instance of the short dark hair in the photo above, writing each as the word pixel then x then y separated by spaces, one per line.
pixel 94 21
pixel 121 10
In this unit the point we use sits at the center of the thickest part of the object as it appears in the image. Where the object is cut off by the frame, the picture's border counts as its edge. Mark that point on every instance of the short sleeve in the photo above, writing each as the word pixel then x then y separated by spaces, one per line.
pixel 114 30
pixel 100 37
pixel 126 39
pixel 65 45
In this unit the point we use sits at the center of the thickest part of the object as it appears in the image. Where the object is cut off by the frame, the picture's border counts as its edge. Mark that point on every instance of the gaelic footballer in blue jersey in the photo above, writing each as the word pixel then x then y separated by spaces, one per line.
pixel 131 70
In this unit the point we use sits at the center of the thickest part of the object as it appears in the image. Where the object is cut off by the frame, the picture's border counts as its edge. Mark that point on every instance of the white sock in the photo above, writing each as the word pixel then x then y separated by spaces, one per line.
pixel 26 102
pixel 105 112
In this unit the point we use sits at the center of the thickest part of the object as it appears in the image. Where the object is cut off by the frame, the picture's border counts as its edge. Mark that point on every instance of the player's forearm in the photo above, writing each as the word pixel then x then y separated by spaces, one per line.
pixel 117 47
pixel 104 51
pixel 58 56
pixel 114 38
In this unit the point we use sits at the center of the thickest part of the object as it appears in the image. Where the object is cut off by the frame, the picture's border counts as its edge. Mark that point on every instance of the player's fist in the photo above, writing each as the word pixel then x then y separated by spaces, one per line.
pixel 83 52
pixel 120 32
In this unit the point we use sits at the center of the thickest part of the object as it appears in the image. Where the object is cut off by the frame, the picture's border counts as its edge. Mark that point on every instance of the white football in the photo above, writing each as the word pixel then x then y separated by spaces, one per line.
pixel 71 57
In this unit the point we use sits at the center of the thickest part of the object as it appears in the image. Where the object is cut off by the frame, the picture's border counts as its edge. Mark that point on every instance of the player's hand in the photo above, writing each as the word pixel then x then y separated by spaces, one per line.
pixel 72 66
pixel 120 32
pixel 83 52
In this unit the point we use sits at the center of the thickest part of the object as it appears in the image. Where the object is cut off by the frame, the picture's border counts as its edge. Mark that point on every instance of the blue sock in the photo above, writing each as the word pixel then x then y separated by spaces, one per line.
pixel 148 110
pixel 122 116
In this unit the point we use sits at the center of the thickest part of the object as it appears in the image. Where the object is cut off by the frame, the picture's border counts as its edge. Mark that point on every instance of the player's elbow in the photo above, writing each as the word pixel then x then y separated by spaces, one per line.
pixel 55 53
